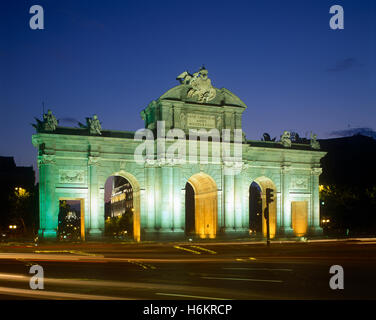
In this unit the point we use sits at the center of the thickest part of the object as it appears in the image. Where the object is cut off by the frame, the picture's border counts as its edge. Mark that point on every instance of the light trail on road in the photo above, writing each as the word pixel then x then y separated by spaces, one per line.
pixel 258 269
pixel 188 296
pixel 242 279
pixel 42 294
pixel 145 271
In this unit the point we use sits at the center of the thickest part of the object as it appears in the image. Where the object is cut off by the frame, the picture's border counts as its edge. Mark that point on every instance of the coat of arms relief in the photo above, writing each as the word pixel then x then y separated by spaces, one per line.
pixel 200 84
pixel 71 176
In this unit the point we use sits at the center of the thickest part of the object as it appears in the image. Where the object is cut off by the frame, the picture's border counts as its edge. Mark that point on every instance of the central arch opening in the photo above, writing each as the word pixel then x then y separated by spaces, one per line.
pixel 201 206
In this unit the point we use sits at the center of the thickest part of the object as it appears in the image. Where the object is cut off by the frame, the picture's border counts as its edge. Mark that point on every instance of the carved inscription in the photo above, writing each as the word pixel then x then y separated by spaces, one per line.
pixel 200 120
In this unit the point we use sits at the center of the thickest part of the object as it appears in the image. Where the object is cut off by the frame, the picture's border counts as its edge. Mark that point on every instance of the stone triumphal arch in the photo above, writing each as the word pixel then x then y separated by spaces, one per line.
pixel 75 162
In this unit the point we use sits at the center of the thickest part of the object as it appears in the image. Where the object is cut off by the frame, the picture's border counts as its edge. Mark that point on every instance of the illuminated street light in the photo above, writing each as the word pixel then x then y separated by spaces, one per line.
pixel 21 192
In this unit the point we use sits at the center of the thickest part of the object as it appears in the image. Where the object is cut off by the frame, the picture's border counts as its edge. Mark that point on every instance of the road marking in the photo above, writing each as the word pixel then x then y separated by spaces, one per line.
pixel 204 249
pixel 188 296
pixel 68 251
pixel 243 259
pixel 266 269
pixel 242 279
pixel 188 250
pixel 142 265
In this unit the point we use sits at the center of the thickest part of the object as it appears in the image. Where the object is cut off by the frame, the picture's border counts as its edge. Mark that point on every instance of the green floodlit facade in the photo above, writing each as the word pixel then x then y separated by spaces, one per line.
pixel 74 164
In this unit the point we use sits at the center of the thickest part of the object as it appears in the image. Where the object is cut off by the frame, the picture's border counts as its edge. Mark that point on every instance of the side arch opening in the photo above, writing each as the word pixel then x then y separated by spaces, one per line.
pixel 122 206
pixel 201 206
pixel 257 205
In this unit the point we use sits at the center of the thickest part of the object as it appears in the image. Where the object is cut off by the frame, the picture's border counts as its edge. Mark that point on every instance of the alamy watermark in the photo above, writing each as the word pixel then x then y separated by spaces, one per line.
pixel 173 147
pixel 37 280
pixel 337 21
pixel 337 280
pixel 37 20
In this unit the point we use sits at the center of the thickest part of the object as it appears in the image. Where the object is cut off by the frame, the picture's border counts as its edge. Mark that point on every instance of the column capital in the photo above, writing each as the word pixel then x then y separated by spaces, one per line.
pixel 285 168
pixel 150 163
pixel 93 161
pixel 316 171
pixel 247 164
pixel 164 162
pixel 46 159
pixel 234 164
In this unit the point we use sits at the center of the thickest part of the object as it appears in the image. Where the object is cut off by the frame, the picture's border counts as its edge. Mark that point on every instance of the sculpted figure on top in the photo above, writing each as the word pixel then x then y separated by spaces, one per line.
pixel 286 139
pixel 200 84
pixel 93 125
pixel 314 143
pixel 49 122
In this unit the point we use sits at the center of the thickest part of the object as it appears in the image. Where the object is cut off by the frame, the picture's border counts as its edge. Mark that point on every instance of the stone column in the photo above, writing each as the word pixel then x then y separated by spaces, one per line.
pixel 158 196
pixel 94 230
pixel 314 214
pixel 166 191
pixel 178 212
pixel 286 203
pixel 238 201
pixel 220 221
pixel 49 205
pixel 101 209
pixel 150 182
pixel 229 201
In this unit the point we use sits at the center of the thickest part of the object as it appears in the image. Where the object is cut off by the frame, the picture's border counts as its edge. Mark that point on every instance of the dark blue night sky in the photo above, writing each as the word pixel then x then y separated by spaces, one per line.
pixel 113 57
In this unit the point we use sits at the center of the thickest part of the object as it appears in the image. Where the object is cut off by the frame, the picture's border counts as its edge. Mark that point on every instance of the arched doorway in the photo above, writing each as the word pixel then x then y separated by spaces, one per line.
pixel 257 205
pixel 122 206
pixel 255 210
pixel 201 206
pixel 71 224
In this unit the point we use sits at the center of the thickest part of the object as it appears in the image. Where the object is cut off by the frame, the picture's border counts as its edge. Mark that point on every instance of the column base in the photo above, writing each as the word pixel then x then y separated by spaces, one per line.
pixel 47 234
pixel 286 232
pixel 163 234
pixel 94 234
pixel 225 234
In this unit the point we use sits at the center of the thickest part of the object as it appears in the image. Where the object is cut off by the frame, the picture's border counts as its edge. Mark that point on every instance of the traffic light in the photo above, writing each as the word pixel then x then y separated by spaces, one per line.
pixel 266 213
pixel 269 195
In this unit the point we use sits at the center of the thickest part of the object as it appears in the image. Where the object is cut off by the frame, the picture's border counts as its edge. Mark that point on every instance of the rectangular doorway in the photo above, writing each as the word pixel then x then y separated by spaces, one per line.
pixel 299 215
pixel 71 219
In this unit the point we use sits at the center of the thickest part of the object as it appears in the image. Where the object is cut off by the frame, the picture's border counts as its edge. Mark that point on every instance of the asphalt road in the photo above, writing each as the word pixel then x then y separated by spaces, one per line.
pixel 172 271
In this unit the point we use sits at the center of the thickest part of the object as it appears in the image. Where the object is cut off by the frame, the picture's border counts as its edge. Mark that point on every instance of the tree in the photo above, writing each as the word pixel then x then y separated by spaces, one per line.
pixel 23 209
pixel 349 207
